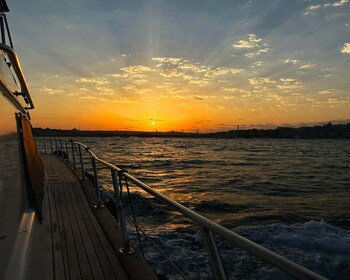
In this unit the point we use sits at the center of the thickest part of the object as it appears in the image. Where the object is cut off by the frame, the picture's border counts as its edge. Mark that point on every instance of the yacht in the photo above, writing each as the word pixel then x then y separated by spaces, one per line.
pixel 53 219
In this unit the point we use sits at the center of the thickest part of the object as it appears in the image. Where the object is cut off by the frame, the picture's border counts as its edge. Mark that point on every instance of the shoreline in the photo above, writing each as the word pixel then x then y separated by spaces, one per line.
pixel 328 131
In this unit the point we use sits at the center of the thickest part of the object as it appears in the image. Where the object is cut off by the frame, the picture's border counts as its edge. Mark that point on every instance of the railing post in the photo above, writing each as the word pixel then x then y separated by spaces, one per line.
pixel 66 144
pixel 56 146
pixel 99 203
pixel 51 146
pixel 44 146
pixel 214 254
pixel 121 217
pixel 61 149
pixel 73 154
pixel 81 163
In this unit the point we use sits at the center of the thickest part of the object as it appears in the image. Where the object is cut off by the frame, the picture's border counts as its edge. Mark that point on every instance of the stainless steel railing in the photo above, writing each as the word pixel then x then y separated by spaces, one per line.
pixel 13 61
pixel 208 228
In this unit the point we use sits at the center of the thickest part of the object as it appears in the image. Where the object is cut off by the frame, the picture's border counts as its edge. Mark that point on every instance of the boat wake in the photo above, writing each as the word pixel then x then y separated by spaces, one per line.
pixel 316 245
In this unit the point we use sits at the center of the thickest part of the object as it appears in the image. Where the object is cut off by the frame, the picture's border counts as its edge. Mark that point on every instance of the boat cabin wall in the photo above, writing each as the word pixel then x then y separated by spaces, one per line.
pixel 17 210
pixel 11 183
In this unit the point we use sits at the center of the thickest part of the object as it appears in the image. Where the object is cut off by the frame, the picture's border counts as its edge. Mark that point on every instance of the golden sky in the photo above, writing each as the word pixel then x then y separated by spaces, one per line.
pixel 174 65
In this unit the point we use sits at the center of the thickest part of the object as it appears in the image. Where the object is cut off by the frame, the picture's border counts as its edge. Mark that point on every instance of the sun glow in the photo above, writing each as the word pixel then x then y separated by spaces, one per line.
pixel 156 73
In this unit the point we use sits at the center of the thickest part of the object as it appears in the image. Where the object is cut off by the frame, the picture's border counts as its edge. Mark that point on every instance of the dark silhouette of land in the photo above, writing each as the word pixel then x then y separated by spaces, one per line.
pixel 327 131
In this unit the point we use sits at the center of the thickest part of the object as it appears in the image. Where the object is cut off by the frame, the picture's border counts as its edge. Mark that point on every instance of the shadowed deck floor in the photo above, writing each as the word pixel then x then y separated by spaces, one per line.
pixel 80 247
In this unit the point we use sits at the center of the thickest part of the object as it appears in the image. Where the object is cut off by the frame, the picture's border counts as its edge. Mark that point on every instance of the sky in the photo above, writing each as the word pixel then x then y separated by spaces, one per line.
pixel 184 65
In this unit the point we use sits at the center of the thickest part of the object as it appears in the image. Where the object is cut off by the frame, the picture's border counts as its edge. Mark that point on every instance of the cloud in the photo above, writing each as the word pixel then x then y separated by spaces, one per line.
pixel 270 86
pixel 253 44
pixel 288 84
pixel 346 48
pixel 180 64
pixel 172 60
pixel 164 86
pixel 258 63
pixel 117 75
pixel 194 73
pixel 307 66
pixel 329 69
pixel 50 91
pixel 328 91
pixel 200 83
pixel 340 3
pixel 140 81
pixel 237 90
pixel 97 81
pixel 257 52
pixel 175 90
pixel 193 67
pixel 312 8
pixel 221 71
pixel 218 71
pixel 169 67
pixel 168 73
pixel 292 61
pixel 136 69
pixel 260 81
pixel 251 41
pixel 93 98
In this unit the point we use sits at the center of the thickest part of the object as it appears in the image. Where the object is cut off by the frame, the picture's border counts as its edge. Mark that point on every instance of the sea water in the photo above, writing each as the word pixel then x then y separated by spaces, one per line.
pixel 290 195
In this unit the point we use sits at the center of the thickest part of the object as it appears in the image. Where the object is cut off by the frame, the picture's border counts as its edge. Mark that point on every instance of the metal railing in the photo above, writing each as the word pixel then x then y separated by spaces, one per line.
pixel 13 61
pixel 208 228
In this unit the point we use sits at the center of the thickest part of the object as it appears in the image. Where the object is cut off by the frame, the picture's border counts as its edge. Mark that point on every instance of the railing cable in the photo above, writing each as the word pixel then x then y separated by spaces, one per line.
pixel 120 175
pixel 155 245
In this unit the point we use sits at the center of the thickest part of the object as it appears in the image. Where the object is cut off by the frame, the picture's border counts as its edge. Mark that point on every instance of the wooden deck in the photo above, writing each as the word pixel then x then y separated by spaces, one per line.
pixel 81 250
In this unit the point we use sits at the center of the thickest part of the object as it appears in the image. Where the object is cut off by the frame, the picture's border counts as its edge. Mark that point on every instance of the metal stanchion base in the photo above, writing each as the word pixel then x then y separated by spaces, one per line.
pixel 99 206
pixel 131 251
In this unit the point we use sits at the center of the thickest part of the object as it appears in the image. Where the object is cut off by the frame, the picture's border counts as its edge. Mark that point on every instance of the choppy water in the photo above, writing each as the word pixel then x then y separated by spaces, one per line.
pixel 289 195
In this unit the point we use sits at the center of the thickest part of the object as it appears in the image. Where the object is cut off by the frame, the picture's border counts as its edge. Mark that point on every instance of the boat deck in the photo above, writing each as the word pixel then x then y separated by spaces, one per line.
pixel 80 249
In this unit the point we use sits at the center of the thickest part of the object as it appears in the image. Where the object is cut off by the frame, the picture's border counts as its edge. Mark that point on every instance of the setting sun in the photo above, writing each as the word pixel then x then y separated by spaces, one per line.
pixel 244 69
pixel 163 139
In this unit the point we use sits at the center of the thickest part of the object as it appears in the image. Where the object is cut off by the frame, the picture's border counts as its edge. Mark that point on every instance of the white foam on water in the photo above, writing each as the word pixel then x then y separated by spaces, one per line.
pixel 316 245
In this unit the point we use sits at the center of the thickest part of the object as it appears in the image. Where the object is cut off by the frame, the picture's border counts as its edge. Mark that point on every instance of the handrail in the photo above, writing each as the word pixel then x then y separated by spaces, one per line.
pixel 208 228
pixel 6 91
pixel 19 74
